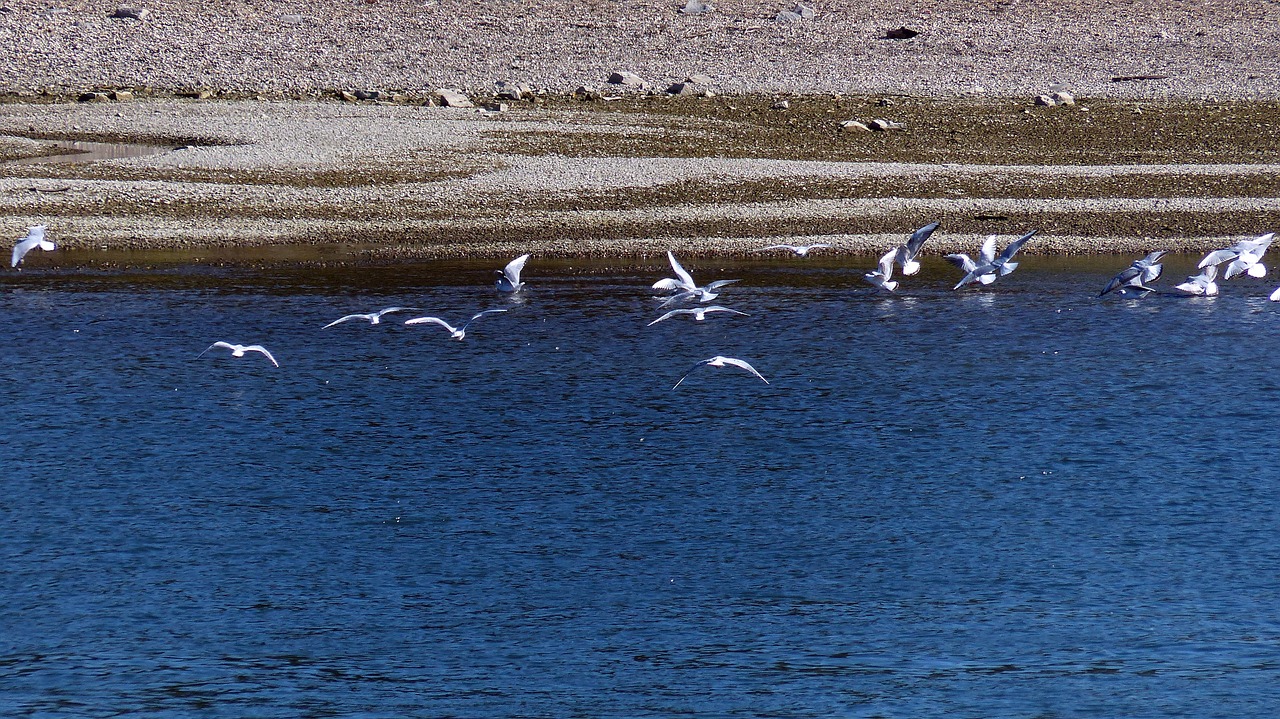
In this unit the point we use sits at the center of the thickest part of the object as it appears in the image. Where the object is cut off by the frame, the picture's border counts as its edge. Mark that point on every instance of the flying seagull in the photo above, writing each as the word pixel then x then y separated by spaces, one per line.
pixel 456 333
pixel 373 317
pixel 799 250
pixel 699 313
pixel 35 238
pixel 239 350
pixel 719 361
pixel 880 277
pixel 1201 284
pixel 1245 257
pixel 509 280
pixel 685 287
pixel 907 252
pixel 989 266
pixel 1137 275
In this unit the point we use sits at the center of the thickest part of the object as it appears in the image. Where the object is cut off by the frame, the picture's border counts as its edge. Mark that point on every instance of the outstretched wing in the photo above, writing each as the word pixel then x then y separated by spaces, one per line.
pixel 671 314
pixel 227 345
pixel 987 253
pixel 263 350
pixel 345 319
pixel 1217 257
pixel 917 238
pixel 431 320
pixel 1014 246
pixel 1123 278
pixel 686 279
pixel 742 364
pixel 718 284
pixel 685 376
pixel 961 260
pixel 513 268
pixel 886 263
pixel 721 308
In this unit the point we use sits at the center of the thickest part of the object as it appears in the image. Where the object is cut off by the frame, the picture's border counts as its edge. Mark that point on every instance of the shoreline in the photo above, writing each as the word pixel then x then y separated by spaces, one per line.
pixel 707 176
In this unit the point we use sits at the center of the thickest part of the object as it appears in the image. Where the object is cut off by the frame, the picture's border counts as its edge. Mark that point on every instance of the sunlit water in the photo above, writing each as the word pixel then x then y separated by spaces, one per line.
pixel 1013 501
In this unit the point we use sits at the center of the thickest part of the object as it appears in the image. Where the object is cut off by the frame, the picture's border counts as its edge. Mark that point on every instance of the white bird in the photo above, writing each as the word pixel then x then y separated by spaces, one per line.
pixel 989 266
pixel 1137 275
pixel 373 317
pixel 239 350
pixel 456 333
pixel 907 252
pixel 1245 257
pixel 35 238
pixel 705 293
pixel 699 313
pixel 684 285
pixel 1275 296
pixel 880 277
pixel 799 250
pixel 509 281
pixel 1201 284
pixel 719 361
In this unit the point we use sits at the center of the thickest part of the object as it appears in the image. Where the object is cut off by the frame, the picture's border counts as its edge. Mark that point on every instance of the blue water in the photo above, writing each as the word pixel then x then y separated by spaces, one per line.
pixel 1015 501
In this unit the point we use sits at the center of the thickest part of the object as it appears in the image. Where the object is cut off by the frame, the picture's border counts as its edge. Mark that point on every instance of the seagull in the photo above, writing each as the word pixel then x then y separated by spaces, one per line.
pixel 1201 284
pixel 373 317
pixel 1245 257
pixel 509 281
pixel 35 238
pixel 799 250
pixel 239 350
pixel 880 277
pixel 719 361
pixel 907 252
pixel 699 313
pixel 1137 275
pixel 989 266
pixel 705 293
pixel 456 333
pixel 683 284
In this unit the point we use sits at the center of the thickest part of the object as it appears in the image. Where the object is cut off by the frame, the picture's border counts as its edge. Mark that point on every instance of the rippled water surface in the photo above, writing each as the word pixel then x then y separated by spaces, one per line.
pixel 1013 501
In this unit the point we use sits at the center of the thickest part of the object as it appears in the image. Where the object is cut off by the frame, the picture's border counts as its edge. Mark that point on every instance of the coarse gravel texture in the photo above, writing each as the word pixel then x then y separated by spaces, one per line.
pixel 1200 48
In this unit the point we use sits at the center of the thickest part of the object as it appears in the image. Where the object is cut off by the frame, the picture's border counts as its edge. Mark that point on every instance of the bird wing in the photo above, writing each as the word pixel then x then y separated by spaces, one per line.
pixel 668 284
pixel 392 310
pixel 717 284
pixel 793 248
pixel 1217 257
pixel 513 268
pixel 691 369
pixel 480 314
pixel 228 345
pixel 1013 247
pixel 685 279
pixel 721 308
pixel 987 253
pixel 679 297
pixel 917 238
pixel 886 263
pixel 431 320
pixel 345 319
pixel 740 363
pixel 960 260
pixel 671 314
pixel 263 350
pixel 1123 278
pixel 21 249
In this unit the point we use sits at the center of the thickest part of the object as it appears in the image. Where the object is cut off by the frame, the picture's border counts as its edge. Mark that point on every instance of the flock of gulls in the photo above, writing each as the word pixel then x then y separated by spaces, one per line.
pixel 1242 258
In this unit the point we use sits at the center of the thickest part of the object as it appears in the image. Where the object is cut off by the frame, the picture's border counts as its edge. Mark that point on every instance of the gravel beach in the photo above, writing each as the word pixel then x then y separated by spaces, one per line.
pixel 1170 131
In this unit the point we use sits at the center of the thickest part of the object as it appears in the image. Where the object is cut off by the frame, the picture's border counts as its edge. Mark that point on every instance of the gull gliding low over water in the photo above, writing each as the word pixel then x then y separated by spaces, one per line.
pixel 719 361
pixel 1136 276
pixel 457 333
pixel 35 238
pixel 1245 257
pixel 509 279
pixel 798 250
pixel 989 266
pixel 373 317
pixel 239 350
pixel 699 313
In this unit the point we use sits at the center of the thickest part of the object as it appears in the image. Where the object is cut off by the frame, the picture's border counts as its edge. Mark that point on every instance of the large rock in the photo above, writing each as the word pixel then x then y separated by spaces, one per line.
pixel 512 90
pixel 627 79
pixel 697 7
pixel 452 98
pixel 880 125
pixel 853 126
pixel 130 13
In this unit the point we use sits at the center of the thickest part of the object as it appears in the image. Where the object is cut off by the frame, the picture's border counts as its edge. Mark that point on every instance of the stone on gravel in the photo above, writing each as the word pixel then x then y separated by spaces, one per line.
pixel 508 90
pixel 587 93
pixel 452 98
pixel 697 7
pixel 628 79
pixel 880 125
pixel 796 14
pixel 1063 98
pixel 1045 101
pixel 94 97
pixel 367 94
pixel 699 79
pixel 780 105
pixel 130 13
pixel 122 95
pixel 853 126
pixel 900 33
pixel 683 88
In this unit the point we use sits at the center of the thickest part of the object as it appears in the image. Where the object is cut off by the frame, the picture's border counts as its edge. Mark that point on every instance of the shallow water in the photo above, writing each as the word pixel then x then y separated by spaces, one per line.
pixel 1015 501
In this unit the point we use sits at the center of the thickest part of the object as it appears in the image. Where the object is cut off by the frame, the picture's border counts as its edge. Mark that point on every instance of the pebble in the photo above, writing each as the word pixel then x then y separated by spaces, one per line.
pixel 853 126
pixel 131 13
pixel 1062 97
pixel 629 79
pixel 452 98
pixel 881 125
pixel 796 14
pixel 512 90
pixel 780 105
pixel 367 94
pixel 1045 101
pixel 697 7
pixel 122 95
